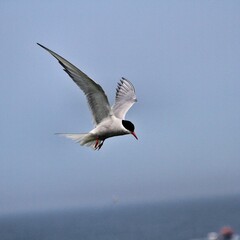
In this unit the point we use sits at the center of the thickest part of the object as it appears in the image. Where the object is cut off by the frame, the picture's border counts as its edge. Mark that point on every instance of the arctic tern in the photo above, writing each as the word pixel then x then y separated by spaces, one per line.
pixel 109 121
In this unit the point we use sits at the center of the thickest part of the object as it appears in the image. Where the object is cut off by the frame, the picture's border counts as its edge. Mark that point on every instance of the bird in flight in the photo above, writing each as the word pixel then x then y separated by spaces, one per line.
pixel 109 121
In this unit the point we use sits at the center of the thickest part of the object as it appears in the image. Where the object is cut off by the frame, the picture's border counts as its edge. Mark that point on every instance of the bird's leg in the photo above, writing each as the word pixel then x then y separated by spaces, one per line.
pixel 96 144
pixel 100 145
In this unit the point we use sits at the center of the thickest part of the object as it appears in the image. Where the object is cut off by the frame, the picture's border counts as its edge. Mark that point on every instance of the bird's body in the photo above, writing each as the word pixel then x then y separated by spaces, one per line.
pixel 109 121
pixel 110 127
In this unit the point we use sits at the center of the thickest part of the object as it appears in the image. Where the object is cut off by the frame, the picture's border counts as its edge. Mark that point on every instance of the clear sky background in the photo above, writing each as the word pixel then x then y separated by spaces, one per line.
pixel 183 58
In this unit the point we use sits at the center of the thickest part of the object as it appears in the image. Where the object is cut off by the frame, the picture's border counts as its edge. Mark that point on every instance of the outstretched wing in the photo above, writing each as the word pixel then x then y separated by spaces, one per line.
pixel 96 97
pixel 125 98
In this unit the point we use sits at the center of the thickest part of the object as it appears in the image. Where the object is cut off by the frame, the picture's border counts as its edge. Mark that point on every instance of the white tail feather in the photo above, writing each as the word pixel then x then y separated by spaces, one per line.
pixel 84 139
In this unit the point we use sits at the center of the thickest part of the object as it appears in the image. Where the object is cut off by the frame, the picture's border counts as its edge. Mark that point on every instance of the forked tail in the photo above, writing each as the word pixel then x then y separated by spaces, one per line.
pixel 84 139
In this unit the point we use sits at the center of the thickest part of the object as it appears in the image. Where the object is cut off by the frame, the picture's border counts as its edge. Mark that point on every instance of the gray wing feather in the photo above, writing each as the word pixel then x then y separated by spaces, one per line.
pixel 125 98
pixel 97 99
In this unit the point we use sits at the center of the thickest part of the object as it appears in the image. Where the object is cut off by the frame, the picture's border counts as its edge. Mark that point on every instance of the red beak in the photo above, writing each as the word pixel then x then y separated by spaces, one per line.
pixel 134 134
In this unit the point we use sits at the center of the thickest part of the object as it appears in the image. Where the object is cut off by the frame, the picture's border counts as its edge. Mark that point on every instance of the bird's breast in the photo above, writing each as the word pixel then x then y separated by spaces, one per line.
pixel 109 127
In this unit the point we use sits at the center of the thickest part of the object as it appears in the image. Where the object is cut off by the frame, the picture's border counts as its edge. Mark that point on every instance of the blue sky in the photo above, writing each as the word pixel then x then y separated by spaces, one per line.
pixel 183 59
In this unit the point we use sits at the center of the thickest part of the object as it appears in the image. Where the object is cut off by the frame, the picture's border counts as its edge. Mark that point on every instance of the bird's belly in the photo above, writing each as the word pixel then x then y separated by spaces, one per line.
pixel 107 132
pixel 109 129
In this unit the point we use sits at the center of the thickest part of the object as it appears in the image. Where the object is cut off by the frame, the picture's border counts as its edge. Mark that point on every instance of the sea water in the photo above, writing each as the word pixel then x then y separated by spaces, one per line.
pixel 175 220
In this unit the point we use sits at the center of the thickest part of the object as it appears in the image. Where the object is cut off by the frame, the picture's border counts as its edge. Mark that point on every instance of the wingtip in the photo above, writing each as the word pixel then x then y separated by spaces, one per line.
pixel 42 46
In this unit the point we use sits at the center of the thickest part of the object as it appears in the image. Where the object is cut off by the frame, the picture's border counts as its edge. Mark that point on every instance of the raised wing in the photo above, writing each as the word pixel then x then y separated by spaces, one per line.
pixel 125 98
pixel 97 99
